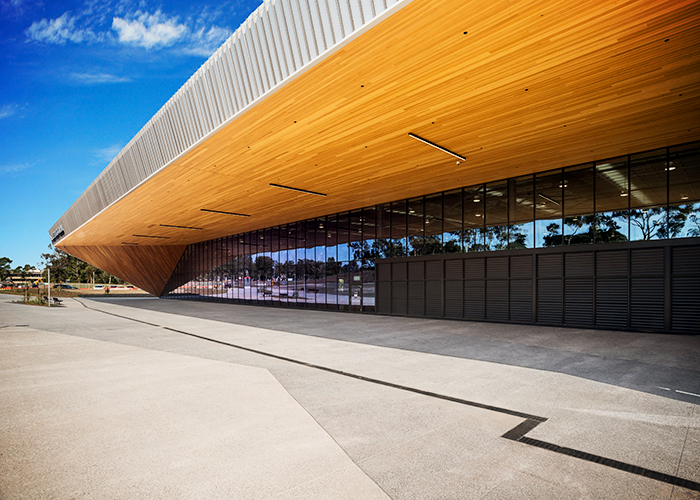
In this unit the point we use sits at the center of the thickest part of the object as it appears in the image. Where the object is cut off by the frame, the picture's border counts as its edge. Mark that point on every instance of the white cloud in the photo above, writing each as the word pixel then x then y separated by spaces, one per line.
pixel 13 169
pixel 59 31
pixel 148 30
pixel 96 78
pixel 8 110
pixel 205 42
pixel 107 154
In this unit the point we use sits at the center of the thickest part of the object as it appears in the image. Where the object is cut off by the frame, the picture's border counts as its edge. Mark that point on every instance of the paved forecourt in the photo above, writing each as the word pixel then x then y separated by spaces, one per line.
pixel 134 404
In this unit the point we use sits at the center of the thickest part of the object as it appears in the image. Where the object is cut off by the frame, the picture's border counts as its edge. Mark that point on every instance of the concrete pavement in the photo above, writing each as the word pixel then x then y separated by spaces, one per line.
pixel 134 401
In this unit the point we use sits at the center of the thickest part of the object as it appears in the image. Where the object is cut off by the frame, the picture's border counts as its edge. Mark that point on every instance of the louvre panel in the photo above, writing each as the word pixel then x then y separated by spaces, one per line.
pixel 415 298
pixel 685 293
pixel 497 300
pixel 383 297
pixel 612 263
pixel 398 271
pixel 433 298
pixel 549 301
pixel 521 291
pixel 383 271
pixel 579 265
pixel 433 270
pixel 454 269
pixel 454 298
pixel 578 301
pixel 521 312
pixel 474 269
pixel 416 271
pixel 475 299
pixel 521 267
pixel 549 266
pixel 398 297
pixel 611 302
pixel 647 261
pixel 647 303
pixel 497 268
pixel 474 290
pixel 686 260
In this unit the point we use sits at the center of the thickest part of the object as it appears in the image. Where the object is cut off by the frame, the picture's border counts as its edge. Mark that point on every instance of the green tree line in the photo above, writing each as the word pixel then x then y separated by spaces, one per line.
pixel 63 266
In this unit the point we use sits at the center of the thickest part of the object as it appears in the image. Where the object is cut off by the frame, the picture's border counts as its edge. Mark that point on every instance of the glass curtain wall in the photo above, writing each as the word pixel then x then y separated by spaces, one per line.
pixel 328 262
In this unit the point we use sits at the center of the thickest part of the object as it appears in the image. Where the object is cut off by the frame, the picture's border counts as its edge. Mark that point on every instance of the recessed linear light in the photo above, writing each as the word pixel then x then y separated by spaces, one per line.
pixel 146 236
pixel 127 243
pixel 426 141
pixel 548 199
pixel 181 227
pixel 296 189
pixel 225 213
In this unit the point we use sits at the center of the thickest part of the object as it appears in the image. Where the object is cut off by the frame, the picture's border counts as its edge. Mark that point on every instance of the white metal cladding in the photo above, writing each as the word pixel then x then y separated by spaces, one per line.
pixel 278 40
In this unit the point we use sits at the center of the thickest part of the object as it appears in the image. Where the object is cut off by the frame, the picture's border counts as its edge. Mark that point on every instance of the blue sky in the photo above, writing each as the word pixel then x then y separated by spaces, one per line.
pixel 79 79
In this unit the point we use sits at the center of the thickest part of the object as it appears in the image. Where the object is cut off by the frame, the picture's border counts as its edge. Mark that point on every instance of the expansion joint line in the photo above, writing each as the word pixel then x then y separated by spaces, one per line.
pixel 517 433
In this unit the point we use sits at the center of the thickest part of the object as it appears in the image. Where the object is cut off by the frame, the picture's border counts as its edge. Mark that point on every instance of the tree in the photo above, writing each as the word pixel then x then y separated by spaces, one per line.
pixel 65 267
pixel 5 269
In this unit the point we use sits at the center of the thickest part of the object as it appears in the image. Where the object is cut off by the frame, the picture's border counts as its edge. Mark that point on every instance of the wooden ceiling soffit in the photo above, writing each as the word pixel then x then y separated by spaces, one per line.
pixel 147 267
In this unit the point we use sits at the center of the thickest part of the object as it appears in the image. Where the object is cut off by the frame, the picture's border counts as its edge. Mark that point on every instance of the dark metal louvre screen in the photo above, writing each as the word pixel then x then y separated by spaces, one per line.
pixel 685 289
pixel 648 286
pixel 383 287
pixel 647 289
pixel 612 294
pixel 416 298
pixel 521 269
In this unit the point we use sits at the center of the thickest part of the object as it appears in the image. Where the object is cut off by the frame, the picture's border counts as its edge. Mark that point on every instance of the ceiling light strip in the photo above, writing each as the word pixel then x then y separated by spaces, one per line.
pixel 444 150
pixel 225 213
pixel 146 236
pixel 548 199
pixel 296 189
pixel 181 227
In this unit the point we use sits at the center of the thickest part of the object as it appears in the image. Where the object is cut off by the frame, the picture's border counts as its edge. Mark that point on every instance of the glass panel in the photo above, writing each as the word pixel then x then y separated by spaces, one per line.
pixel 577 185
pixel 549 195
pixel 611 185
pixel 342 286
pixel 648 179
pixel 321 240
pixel 578 229
pixel 398 228
pixel 367 251
pixel 416 219
pixel 521 192
pixel 452 223
pixel 497 237
pixel 383 247
pixel 355 227
pixel 548 209
pixel 684 174
pixel 521 235
pixel 474 219
pixel 310 240
pixel 343 236
pixel 648 223
pixel 611 227
pixel 684 221
pixel 496 203
pixel 332 269
pixel 548 233
pixel 433 224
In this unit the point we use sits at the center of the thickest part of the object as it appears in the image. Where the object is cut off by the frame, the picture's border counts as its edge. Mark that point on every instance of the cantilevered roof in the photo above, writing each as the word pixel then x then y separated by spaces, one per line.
pixel 322 96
